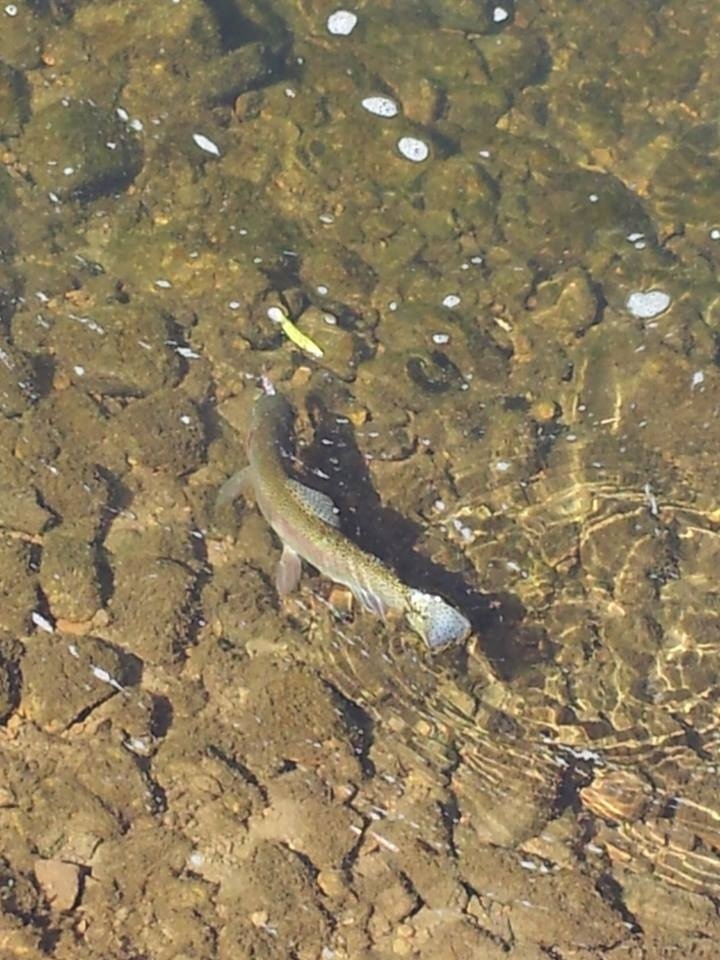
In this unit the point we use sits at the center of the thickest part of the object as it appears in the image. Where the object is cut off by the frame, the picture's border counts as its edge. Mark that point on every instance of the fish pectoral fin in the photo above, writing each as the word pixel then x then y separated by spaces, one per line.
pixel 287 575
pixel 320 503
pixel 239 483
pixel 370 601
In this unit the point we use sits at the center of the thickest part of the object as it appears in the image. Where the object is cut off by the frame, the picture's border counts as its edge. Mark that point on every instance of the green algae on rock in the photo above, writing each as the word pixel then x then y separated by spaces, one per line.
pixel 79 150
pixel 68 576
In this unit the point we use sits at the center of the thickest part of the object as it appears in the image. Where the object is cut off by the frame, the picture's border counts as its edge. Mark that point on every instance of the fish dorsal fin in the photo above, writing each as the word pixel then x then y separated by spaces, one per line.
pixel 320 503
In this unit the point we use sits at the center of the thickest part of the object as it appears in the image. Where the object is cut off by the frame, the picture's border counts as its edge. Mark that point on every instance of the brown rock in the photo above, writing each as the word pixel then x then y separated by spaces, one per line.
pixel 616 795
pixel 60 882
pixel 68 576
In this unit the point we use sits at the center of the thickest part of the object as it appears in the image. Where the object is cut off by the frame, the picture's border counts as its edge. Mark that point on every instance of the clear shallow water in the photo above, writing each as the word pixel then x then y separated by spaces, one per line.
pixel 516 405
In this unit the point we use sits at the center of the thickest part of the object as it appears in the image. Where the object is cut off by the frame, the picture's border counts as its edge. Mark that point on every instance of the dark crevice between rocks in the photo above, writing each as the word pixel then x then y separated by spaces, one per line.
pixel 313 872
pixel 410 889
pixel 161 716
pixel 43 367
pixel 359 726
pixel 202 573
pixel 90 708
pixel 238 768
pixel 118 500
pixel 495 938
pixel 450 813
pixel 247 22
pixel 693 739
pixel 552 952
pixel 158 804
pixel 10 666
pixel 211 421
pixel 575 775
pixel 175 338
pixel 59 11
pixel 348 861
pixel 42 606
pixel 612 893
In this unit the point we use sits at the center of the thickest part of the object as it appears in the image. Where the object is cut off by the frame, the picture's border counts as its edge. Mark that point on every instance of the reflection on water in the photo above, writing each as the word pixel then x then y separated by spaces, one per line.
pixel 494 224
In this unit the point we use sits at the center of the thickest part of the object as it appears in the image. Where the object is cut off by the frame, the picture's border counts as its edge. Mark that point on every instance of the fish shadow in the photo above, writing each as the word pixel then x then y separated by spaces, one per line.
pixel 334 464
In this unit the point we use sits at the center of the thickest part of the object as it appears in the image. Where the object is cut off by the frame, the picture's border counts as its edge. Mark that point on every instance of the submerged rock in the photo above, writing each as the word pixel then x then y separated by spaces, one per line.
pixel 77 149
pixel 81 672
pixel 163 431
pixel 68 576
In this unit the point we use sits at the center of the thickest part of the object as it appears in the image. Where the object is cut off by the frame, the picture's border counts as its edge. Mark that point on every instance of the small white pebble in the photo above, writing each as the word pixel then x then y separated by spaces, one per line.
pixel 502 466
pixel 73 651
pixel 136 125
pixel 68 171
pixel 165 284
pixel 593 198
pixel 276 315
pixel 206 144
pixel 326 218
pixel 289 92
pixel 451 300
pixel 715 234
pixel 111 145
pixel 441 338
pixel 321 289
pixel 187 353
pixel 485 154
pixel 697 378
pixel 11 10
pixel 123 114
pixel 477 260
pixel 196 858
pixel 234 304
pixel 413 149
pixel 41 622
pixel 329 318
pixel 380 106
pixel 184 418
pixel 341 23
pixel 634 237
pixel 500 15
pixel 393 305
pixel 647 304
pixel 80 371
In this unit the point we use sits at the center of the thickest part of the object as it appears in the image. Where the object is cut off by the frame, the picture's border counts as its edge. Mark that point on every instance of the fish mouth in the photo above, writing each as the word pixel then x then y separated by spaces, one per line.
pixel 438 623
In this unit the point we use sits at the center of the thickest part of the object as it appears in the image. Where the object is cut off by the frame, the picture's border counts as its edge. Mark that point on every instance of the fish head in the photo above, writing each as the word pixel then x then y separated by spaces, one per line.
pixel 435 620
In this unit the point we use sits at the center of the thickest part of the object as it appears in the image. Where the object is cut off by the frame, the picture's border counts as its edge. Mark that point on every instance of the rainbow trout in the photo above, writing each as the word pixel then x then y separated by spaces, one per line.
pixel 307 521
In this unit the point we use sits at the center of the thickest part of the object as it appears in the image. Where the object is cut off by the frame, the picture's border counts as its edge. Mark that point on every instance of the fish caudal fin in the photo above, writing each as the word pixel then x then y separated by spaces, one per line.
pixel 435 620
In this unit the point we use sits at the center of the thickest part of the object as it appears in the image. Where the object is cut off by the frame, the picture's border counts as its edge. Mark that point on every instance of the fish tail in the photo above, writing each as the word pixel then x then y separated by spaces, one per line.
pixel 435 620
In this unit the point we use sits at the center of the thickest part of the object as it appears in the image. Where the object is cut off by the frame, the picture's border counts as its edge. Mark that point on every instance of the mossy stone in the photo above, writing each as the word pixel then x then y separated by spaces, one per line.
pixel 77 149
pixel 164 432
pixel 68 576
